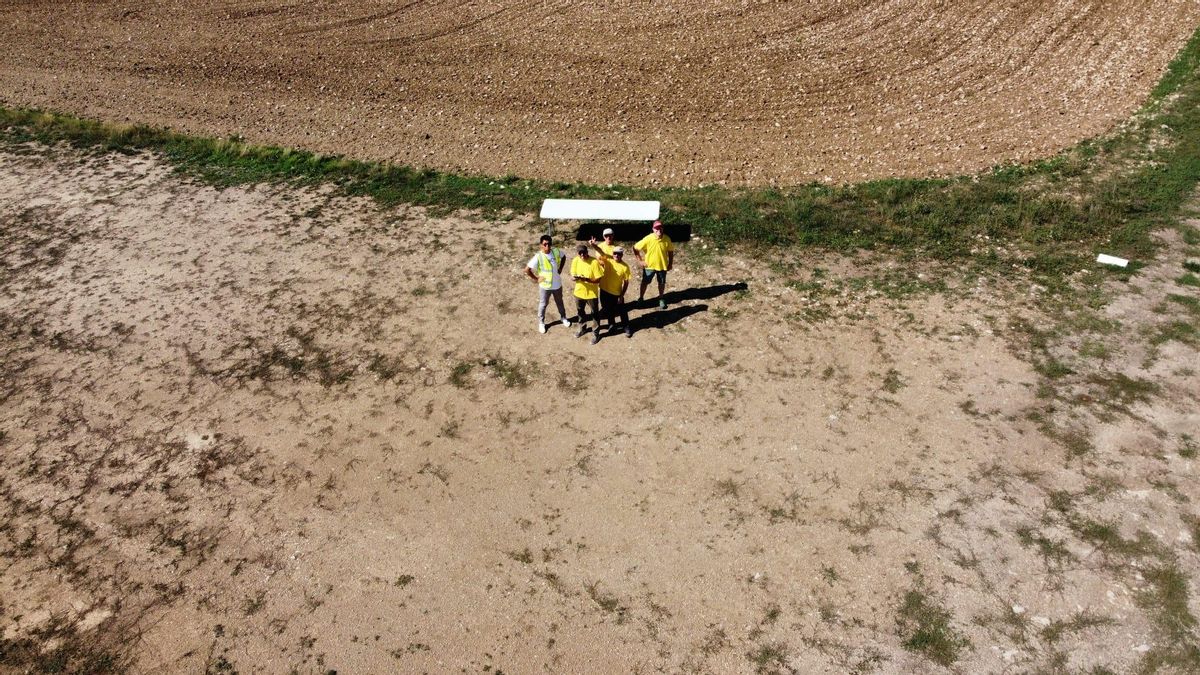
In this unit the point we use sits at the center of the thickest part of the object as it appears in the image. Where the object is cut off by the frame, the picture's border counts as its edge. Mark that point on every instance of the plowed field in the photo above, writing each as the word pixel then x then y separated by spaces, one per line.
pixel 672 92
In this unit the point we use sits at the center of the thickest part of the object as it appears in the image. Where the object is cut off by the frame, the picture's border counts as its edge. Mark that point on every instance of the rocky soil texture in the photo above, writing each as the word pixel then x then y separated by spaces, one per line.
pixel 267 429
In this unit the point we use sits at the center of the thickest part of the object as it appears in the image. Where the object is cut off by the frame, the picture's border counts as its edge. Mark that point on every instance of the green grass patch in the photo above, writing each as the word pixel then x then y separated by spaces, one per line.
pixel 1190 234
pixel 926 629
pixel 1053 369
pixel 513 375
pixel 1119 390
pixel 1053 552
pixel 460 373
pixel 1175 331
pixel 1095 349
pixel 1192 305
pixel 1187 448
pixel 1168 594
pixel 1166 600
pixel 1106 537
pixel 1075 441
pixel 1081 621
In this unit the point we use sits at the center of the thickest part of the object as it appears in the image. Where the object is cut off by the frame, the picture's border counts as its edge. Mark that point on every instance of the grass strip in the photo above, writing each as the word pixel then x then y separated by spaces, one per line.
pixel 1108 193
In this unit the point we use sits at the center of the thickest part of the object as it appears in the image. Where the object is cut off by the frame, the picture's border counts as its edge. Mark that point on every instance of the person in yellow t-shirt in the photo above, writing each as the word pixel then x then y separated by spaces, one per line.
pixel 614 282
pixel 613 285
pixel 660 258
pixel 587 272
pixel 604 248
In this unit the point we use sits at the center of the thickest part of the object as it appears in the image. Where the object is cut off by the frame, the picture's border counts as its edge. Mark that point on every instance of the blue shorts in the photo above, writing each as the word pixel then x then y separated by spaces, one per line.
pixel 648 274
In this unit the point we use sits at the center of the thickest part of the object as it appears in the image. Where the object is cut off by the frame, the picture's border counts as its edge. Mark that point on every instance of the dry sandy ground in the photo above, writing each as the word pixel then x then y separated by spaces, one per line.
pixel 674 91
pixel 270 429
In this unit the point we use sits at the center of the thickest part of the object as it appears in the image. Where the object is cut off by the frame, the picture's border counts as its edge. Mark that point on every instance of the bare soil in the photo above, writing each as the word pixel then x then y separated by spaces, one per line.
pixel 264 429
pixel 670 92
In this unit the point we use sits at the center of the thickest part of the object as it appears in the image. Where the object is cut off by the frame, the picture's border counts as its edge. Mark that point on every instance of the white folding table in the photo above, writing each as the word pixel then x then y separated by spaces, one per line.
pixel 597 209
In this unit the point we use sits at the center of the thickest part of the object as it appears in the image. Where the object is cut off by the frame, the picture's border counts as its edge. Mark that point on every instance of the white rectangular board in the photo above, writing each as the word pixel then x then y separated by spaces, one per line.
pixel 599 209
pixel 1106 259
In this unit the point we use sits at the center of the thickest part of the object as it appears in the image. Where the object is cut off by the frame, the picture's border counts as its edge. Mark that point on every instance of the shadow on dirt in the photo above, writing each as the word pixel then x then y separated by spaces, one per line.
pixel 705 293
pixel 628 233
pixel 663 318
pixel 643 314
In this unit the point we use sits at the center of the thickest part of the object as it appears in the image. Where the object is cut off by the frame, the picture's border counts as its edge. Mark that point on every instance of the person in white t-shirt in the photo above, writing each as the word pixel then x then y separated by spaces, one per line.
pixel 545 268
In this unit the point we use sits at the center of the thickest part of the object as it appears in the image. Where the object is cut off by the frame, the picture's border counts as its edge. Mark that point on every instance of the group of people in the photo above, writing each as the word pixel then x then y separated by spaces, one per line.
pixel 600 280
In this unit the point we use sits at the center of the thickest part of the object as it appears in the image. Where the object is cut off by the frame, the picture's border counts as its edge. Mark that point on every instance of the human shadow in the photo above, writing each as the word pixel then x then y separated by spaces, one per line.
pixel 663 318
pixel 675 297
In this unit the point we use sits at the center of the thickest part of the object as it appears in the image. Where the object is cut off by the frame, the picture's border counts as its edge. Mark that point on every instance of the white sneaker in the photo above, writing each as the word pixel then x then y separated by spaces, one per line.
pixel 541 327
pixel 566 321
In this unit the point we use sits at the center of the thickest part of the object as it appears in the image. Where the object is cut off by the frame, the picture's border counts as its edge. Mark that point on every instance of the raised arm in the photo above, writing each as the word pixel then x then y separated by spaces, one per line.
pixel 601 253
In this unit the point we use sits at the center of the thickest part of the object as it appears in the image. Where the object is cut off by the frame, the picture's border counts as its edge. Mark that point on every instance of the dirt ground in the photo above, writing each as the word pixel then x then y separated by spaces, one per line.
pixel 669 92
pixel 273 429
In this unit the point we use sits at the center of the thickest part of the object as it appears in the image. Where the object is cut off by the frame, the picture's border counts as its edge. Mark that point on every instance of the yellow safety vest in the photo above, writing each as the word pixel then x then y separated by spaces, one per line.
pixel 546 265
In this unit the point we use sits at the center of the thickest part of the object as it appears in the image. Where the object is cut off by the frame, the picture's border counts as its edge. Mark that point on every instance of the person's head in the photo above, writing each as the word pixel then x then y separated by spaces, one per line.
pixel 582 250
pixel 619 254
pixel 544 242
pixel 657 227
pixel 608 234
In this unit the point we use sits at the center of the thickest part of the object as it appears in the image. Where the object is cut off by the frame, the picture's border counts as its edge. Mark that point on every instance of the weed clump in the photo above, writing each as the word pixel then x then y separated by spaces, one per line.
pixel 459 374
pixel 892 382
pixel 607 602
pixel 771 657
pixel 513 375
pixel 926 629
